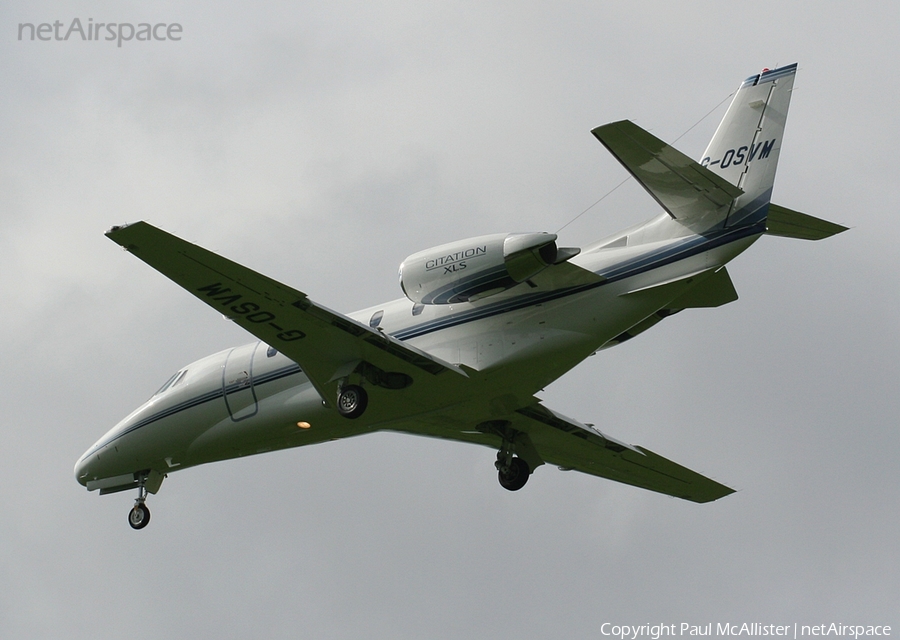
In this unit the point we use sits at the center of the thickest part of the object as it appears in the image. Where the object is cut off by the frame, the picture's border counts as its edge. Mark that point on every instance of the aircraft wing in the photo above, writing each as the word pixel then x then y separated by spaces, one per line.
pixel 544 436
pixel 327 345
pixel 572 445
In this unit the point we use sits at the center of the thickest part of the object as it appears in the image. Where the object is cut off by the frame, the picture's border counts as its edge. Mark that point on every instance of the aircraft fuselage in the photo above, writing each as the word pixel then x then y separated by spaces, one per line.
pixel 250 399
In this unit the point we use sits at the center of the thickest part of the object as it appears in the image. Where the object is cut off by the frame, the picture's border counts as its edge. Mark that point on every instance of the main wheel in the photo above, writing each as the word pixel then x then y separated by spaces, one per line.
pixel 516 476
pixel 139 516
pixel 353 401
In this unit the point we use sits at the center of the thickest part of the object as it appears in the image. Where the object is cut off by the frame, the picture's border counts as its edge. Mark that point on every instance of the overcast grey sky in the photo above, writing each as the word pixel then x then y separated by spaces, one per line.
pixel 321 143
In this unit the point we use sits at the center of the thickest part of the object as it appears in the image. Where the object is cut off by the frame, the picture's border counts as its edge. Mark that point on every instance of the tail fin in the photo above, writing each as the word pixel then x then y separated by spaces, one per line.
pixel 745 148
pixel 732 186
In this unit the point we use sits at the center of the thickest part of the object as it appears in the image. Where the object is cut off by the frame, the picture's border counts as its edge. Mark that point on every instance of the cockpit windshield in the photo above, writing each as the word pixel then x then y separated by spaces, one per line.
pixel 172 382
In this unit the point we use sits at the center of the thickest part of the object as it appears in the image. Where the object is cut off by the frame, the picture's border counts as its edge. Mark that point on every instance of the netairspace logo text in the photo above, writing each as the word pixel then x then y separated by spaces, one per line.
pixel 118 32
pixel 748 629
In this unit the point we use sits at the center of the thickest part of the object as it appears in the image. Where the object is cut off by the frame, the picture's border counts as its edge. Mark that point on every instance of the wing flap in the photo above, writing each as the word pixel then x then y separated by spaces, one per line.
pixel 321 341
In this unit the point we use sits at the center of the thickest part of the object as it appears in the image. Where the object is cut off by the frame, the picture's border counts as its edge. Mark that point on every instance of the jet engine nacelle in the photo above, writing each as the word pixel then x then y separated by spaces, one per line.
pixel 467 270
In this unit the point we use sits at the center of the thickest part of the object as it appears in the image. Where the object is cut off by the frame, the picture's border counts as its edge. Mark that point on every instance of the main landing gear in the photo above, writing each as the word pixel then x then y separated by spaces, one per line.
pixel 513 476
pixel 352 401
pixel 517 457
pixel 139 516
pixel 512 471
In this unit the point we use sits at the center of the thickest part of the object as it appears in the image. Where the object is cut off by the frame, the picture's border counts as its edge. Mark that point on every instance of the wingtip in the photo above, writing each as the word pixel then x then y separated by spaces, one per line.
pixel 711 496
pixel 119 227
pixel 116 227
pixel 603 128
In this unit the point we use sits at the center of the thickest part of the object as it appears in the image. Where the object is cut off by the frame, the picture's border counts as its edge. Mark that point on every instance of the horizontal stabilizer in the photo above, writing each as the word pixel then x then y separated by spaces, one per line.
pixel 787 223
pixel 688 191
pixel 716 290
pixel 706 288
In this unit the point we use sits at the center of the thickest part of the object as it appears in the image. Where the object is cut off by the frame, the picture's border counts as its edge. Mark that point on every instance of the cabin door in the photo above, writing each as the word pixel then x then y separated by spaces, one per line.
pixel 237 382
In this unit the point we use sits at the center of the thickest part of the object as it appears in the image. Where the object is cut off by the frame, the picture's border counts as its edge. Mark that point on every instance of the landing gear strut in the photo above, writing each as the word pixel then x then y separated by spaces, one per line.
pixel 139 516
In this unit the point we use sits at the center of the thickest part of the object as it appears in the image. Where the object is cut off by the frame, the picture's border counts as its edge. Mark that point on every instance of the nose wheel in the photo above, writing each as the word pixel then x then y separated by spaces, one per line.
pixel 139 516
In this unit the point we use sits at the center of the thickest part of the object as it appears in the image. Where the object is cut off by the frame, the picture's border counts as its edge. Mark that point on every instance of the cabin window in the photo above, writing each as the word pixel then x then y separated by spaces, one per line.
pixel 271 352
pixel 375 320
pixel 417 309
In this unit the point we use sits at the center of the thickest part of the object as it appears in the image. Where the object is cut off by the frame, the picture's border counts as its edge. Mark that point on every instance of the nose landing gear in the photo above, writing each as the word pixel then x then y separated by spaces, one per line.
pixel 139 516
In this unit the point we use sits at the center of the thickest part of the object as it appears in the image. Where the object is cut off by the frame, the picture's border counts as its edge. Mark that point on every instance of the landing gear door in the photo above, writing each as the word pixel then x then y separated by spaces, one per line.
pixel 237 382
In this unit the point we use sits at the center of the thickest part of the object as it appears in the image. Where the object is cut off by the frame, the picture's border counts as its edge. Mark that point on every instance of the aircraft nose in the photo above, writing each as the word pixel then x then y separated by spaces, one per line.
pixel 82 470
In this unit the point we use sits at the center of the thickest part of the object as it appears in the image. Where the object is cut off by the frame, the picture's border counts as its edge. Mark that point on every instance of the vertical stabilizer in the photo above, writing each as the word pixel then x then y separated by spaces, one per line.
pixel 744 150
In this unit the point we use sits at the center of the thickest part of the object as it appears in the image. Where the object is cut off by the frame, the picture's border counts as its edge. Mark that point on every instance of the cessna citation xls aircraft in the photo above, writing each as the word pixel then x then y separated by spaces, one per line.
pixel 486 323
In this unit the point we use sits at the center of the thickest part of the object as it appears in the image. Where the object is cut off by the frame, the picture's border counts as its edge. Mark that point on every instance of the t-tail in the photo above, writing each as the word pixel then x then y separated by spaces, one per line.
pixel 731 187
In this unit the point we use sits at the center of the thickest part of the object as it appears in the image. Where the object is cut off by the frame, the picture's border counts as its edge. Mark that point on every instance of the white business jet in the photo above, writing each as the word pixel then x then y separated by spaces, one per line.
pixel 486 323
